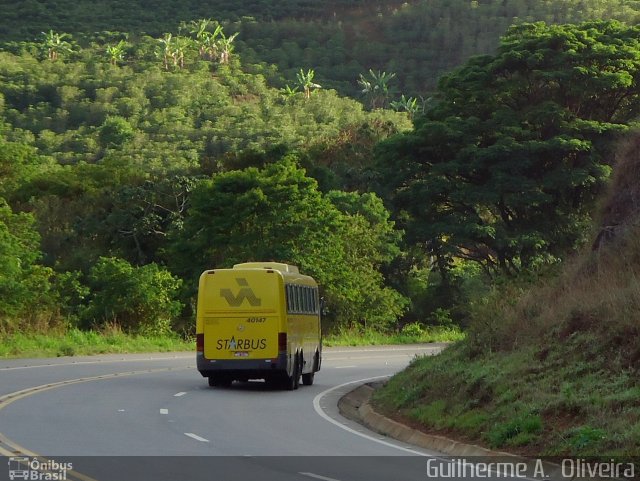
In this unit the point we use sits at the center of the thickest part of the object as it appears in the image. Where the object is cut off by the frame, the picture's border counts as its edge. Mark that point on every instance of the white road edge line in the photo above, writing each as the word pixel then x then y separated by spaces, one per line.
pixel 196 437
pixel 344 367
pixel 164 411
pixel 317 476
pixel 178 394
pixel 320 411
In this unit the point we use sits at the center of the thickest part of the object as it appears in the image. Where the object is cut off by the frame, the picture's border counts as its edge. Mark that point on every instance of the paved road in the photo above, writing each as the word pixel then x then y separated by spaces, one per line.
pixel 144 417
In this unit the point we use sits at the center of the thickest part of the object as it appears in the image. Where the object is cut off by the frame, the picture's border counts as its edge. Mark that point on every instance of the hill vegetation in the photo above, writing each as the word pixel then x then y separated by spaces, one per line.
pixel 105 184
pixel 418 40
pixel 145 162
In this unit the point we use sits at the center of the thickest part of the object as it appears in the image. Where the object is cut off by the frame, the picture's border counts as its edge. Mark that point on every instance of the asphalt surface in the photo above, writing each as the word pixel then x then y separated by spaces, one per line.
pixel 154 417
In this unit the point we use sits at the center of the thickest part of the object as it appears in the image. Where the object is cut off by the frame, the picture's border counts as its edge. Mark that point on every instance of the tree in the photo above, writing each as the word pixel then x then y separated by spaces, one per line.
pixel 504 169
pixel 305 80
pixel 277 213
pixel 225 46
pixel 55 44
pixel 25 290
pixel 209 44
pixel 180 47
pixel 116 52
pixel 376 88
pixel 138 299
pixel 140 216
pixel 168 50
pixel 206 41
pixel 409 105
pixel 289 92
pixel 115 131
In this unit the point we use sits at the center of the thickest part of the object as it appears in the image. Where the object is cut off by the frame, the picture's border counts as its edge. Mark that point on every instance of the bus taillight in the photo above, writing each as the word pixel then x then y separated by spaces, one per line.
pixel 282 341
pixel 200 342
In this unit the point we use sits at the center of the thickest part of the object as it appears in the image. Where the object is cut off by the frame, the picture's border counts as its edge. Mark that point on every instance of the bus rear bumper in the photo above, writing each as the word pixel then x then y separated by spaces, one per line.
pixel 241 368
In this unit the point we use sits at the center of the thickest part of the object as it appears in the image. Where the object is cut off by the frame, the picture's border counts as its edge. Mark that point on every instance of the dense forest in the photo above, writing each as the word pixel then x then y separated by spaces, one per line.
pixel 416 40
pixel 131 161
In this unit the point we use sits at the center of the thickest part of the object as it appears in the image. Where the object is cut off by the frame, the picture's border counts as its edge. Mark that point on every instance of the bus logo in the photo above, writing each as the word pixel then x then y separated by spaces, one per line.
pixel 235 300
pixel 18 468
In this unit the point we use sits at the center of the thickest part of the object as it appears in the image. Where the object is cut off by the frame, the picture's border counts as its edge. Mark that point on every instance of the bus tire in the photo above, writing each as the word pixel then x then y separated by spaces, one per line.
pixel 292 382
pixel 298 372
pixel 307 379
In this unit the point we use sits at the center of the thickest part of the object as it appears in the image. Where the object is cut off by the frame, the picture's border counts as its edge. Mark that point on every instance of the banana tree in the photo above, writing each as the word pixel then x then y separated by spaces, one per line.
pixel 225 46
pixel 208 44
pixel 55 43
pixel 305 80
pixel 376 88
pixel 180 47
pixel 203 38
pixel 167 49
pixel 409 105
pixel 116 52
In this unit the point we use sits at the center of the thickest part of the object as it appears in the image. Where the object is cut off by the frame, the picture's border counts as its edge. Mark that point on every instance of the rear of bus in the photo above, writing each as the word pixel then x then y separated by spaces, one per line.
pixel 241 325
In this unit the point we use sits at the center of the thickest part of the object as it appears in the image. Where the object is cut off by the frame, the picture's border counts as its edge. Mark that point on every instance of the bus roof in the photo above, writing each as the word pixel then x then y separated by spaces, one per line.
pixel 276 266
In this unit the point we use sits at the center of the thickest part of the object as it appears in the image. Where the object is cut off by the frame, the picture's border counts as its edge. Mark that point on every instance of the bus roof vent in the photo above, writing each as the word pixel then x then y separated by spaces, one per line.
pixel 276 266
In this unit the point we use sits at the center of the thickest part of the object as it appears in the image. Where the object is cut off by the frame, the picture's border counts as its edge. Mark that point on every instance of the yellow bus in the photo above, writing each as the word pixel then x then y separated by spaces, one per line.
pixel 258 320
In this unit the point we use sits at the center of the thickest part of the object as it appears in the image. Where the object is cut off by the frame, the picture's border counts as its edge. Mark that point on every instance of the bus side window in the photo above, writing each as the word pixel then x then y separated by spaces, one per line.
pixel 314 300
pixel 288 292
pixel 296 298
pixel 300 299
pixel 306 299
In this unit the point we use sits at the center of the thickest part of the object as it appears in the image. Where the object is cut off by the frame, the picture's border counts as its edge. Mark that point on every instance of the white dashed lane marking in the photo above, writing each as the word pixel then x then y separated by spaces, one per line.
pixel 317 476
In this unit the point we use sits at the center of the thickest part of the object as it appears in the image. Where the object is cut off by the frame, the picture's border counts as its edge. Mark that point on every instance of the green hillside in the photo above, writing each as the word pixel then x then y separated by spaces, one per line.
pixel 340 39
pixel 109 211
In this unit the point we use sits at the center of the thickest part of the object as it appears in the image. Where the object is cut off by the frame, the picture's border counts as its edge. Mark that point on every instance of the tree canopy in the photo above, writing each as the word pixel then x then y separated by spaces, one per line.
pixel 278 213
pixel 505 167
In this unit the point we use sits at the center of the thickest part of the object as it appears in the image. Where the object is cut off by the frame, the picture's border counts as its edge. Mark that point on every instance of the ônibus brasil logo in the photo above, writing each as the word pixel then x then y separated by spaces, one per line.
pixel 22 467
pixel 245 292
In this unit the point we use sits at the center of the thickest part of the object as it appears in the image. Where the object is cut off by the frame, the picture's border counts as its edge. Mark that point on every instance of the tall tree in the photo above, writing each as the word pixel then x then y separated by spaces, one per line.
pixel 505 167
pixel 278 213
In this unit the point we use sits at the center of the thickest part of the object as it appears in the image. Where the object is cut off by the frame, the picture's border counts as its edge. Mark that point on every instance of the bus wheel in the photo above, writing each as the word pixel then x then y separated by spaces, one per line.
pixel 307 379
pixel 292 382
pixel 298 372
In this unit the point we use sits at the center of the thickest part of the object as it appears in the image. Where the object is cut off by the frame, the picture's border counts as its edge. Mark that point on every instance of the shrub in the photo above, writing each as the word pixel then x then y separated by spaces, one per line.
pixel 139 299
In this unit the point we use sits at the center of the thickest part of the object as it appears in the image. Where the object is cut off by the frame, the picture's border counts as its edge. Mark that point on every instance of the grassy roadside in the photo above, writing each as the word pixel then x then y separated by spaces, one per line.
pixel 372 338
pixel 552 369
pixel 82 343
pixel 571 403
